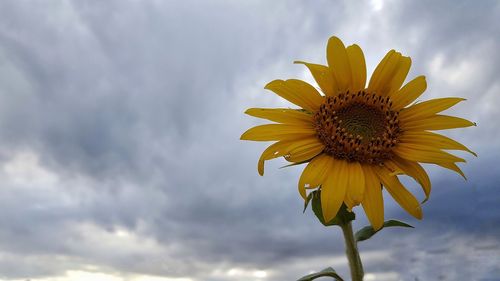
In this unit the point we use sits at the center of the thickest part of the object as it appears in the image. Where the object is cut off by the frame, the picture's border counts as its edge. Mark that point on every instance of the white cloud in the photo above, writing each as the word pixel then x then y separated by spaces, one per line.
pixel 80 275
pixel 24 170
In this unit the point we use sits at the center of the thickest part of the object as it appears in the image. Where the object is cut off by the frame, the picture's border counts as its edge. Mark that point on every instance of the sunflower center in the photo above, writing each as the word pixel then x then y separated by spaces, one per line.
pixel 358 127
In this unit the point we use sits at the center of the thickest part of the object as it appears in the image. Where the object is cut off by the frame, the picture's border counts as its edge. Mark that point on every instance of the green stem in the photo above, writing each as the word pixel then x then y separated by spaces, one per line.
pixel 352 253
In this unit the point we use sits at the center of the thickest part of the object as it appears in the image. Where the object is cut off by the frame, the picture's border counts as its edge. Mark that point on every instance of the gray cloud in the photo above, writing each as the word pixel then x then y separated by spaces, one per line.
pixel 119 127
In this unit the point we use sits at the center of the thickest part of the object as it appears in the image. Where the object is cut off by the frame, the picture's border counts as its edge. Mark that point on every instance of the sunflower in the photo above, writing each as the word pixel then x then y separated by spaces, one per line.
pixel 357 139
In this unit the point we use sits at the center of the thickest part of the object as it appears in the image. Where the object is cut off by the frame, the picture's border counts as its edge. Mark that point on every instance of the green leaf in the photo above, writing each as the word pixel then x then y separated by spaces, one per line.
pixel 367 232
pixel 296 163
pixel 327 272
pixel 308 199
pixel 343 215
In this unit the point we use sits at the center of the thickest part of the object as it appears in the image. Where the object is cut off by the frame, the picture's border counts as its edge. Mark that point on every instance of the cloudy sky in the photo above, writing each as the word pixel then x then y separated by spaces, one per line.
pixel 120 157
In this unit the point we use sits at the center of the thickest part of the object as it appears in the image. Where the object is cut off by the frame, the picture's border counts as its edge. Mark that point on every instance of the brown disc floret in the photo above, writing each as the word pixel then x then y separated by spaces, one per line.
pixel 358 127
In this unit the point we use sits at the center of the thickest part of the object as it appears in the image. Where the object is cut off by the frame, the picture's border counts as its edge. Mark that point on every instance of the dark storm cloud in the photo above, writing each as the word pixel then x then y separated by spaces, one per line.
pixel 136 110
pixel 131 96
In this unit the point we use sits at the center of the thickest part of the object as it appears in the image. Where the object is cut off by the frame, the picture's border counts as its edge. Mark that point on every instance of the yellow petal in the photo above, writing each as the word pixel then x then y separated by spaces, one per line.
pixel 358 67
pixel 338 62
pixel 409 93
pixel 281 115
pixel 283 148
pixel 333 189
pixel 384 73
pixel 272 132
pixel 297 92
pixel 436 122
pixel 427 108
pixel 305 152
pixel 356 183
pixel 404 198
pixel 373 202
pixel 275 150
pixel 323 76
pixel 414 170
pixel 453 167
pixel 433 140
pixel 374 80
pixel 424 154
pixel 348 202
pixel 315 173
pixel 399 75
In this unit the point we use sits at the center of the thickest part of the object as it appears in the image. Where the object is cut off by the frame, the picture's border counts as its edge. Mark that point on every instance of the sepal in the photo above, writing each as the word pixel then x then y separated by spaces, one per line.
pixel 343 215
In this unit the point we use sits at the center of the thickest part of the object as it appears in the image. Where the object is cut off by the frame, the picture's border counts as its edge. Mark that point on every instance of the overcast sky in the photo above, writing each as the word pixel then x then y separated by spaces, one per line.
pixel 120 157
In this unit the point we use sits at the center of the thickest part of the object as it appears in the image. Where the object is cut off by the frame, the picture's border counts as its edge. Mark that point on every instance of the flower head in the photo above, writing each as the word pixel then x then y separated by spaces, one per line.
pixel 355 138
